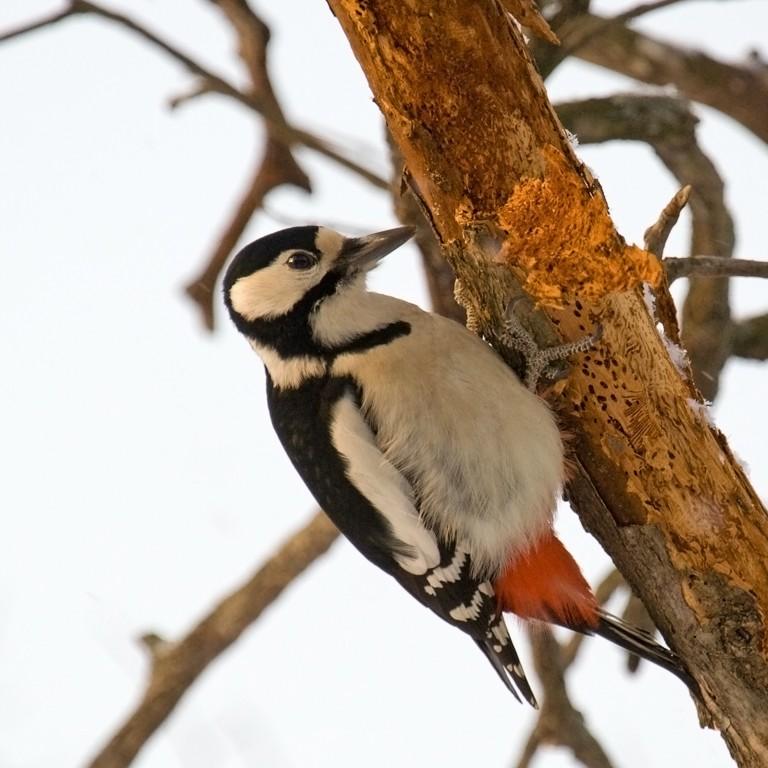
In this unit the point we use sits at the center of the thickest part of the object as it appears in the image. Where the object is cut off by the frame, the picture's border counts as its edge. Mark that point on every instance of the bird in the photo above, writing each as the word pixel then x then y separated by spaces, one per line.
pixel 421 444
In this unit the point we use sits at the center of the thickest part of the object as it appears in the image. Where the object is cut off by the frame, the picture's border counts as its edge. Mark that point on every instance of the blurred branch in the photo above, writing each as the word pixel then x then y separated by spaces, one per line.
pixel 281 130
pixel 714 266
pixel 641 10
pixel 278 165
pixel 46 21
pixel 739 91
pixel 269 174
pixel 175 666
pixel 548 56
pixel 559 722
pixel 749 338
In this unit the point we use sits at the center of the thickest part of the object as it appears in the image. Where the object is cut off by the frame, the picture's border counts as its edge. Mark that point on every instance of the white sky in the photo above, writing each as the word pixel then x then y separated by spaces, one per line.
pixel 140 478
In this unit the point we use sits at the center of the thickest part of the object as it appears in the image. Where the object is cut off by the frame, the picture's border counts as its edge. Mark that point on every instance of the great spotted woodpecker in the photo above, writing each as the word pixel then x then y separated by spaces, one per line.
pixel 418 441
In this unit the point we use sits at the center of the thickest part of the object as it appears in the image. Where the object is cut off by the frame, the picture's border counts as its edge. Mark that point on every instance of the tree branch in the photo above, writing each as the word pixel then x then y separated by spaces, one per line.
pixel 278 165
pixel 560 723
pixel 739 91
pixel 508 199
pixel 176 666
pixel 34 26
pixel 714 266
pixel 270 173
pixel 749 338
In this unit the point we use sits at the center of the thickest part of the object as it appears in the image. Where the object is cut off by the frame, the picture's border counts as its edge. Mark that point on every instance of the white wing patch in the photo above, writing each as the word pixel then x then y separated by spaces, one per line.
pixel 449 574
pixel 384 487
pixel 470 612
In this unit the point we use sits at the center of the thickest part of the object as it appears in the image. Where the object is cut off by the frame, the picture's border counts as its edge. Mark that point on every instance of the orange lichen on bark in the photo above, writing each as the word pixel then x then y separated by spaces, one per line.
pixel 561 237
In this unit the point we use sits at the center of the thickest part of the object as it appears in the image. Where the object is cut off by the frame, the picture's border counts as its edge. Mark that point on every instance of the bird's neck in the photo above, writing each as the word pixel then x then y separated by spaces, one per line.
pixel 352 314
pixel 354 320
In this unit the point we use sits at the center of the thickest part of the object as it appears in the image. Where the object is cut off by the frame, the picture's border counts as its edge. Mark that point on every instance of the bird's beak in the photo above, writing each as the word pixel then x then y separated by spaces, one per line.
pixel 361 254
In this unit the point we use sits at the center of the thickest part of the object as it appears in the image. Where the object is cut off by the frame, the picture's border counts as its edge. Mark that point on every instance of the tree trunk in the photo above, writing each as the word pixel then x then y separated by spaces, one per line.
pixel 507 196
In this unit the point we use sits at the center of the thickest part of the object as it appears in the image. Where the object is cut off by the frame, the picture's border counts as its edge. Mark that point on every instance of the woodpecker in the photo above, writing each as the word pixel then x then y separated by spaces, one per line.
pixel 424 448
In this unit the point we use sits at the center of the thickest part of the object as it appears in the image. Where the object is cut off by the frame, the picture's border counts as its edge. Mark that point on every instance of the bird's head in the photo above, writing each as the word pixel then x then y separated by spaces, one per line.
pixel 294 270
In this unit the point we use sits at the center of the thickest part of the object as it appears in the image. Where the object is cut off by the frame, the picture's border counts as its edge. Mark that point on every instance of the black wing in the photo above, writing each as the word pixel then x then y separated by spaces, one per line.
pixel 334 450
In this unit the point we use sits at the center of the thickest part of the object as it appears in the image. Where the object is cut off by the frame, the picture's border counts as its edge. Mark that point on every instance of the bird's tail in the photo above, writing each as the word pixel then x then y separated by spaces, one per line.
pixel 499 650
pixel 641 643
pixel 545 584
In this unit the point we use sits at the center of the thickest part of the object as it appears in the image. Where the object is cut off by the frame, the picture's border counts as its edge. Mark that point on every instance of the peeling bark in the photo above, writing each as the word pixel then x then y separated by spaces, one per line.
pixel 657 483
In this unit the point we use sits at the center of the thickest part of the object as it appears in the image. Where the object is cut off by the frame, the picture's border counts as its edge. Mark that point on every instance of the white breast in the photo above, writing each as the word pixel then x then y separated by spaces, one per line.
pixel 484 454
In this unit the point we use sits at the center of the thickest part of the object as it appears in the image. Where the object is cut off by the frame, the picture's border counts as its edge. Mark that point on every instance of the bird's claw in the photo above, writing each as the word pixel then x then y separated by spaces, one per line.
pixel 541 361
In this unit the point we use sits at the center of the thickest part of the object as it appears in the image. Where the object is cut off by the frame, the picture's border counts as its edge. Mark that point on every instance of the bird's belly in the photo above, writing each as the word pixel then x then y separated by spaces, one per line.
pixel 483 454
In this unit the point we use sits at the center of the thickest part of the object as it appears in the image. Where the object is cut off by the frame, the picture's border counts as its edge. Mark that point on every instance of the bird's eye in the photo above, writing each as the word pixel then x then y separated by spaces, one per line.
pixel 301 260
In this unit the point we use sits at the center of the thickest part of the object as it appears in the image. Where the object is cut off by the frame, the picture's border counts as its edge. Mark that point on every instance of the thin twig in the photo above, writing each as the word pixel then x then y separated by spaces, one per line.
pixel 201 88
pixel 656 235
pixel 270 173
pixel 176 666
pixel 641 10
pixel 714 266
pixel 34 26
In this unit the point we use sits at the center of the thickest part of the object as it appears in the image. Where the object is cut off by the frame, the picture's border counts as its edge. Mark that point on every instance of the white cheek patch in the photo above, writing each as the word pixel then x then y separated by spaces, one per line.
pixel 384 487
pixel 272 291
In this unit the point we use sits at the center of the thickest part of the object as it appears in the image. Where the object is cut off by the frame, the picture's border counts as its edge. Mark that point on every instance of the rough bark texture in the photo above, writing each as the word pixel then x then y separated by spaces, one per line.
pixel 668 125
pixel 657 484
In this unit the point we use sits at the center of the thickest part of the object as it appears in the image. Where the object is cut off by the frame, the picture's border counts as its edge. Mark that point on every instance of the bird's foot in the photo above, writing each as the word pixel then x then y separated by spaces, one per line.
pixel 539 361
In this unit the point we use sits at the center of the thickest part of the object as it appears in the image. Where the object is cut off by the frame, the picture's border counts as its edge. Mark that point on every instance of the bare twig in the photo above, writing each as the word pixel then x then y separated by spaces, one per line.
pixel 655 241
pixel 201 88
pixel 270 173
pixel 641 10
pixel 282 131
pixel 34 26
pixel 656 235
pixel 175 666
pixel 714 266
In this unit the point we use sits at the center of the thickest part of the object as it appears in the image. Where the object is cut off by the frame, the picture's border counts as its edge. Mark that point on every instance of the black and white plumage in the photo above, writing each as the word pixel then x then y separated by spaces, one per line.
pixel 420 444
